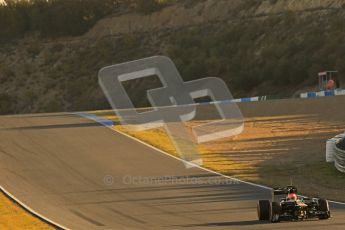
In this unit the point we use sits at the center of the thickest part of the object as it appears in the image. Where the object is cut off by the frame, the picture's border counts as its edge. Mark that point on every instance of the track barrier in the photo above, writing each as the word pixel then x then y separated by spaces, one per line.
pixel 335 152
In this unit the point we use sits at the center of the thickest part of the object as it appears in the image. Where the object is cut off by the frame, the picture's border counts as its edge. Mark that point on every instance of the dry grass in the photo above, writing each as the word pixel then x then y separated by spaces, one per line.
pixel 13 217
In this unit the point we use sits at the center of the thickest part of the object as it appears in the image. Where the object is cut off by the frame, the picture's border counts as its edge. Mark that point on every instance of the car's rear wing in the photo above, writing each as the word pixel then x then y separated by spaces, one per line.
pixel 283 191
pixel 280 191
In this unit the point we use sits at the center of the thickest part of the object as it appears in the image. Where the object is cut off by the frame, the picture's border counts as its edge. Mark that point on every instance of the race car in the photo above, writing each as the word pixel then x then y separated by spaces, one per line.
pixel 291 207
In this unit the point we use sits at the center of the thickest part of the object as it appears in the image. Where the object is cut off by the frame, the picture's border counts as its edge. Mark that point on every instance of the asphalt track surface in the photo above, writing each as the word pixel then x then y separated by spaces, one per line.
pixel 82 175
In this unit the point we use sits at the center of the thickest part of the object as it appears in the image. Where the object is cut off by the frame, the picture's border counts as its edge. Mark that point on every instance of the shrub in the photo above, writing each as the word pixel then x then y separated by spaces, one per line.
pixel 51 18
pixel 6 103
pixel 149 6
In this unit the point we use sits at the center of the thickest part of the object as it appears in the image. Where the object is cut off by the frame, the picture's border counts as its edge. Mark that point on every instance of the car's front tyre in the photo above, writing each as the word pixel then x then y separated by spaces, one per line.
pixel 324 208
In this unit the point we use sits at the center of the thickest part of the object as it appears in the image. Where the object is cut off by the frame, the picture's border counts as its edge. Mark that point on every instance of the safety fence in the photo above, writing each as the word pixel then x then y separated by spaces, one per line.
pixel 246 99
pixel 260 98
pixel 326 93
pixel 335 151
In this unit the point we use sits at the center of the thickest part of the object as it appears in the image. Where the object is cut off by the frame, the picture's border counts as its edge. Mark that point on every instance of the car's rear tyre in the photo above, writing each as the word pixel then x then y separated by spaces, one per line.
pixel 263 209
pixel 324 208
pixel 275 211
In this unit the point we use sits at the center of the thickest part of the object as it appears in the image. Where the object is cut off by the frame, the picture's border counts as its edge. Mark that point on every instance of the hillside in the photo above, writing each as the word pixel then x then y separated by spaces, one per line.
pixel 257 47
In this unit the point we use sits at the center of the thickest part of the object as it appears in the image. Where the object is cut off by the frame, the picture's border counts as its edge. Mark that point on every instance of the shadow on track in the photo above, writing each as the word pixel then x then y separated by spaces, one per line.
pixel 230 223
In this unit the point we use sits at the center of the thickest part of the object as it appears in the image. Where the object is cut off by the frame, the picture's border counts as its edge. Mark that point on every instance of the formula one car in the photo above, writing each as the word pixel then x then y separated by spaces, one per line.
pixel 291 206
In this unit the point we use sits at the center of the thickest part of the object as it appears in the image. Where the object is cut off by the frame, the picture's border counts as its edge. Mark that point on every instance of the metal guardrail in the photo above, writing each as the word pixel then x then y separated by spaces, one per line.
pixel 335 154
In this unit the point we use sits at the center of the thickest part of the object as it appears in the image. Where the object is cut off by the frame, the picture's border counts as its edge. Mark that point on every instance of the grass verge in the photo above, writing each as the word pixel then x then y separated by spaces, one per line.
pixel 13 217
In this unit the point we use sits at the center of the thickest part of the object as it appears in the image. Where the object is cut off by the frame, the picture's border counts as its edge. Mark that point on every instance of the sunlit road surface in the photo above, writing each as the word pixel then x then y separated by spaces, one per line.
pixel 82 175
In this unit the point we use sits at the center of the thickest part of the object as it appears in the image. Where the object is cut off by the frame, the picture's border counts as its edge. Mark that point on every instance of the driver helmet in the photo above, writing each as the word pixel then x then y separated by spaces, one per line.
pixel 292 195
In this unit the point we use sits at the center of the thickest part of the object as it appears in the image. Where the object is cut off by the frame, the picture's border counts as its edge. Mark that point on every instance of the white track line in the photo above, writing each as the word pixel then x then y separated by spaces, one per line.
pixel 92 117
pixel 34 213
pixel 97 119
